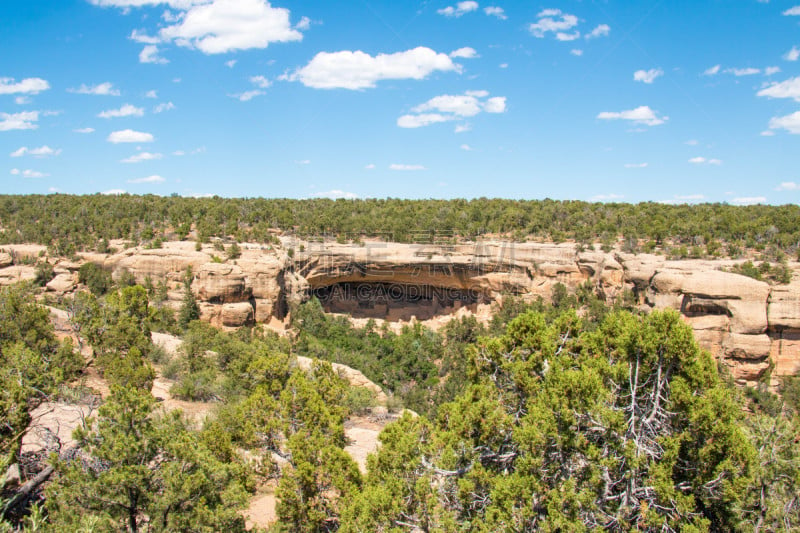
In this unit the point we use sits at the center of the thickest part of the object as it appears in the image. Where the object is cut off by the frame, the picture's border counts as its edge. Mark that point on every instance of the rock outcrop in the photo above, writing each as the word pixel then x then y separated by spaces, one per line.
pixel 749 325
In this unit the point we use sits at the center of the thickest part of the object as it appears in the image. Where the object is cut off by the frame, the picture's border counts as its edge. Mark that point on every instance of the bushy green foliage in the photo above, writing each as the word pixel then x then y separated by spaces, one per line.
pixel 96 278
pixel 70 223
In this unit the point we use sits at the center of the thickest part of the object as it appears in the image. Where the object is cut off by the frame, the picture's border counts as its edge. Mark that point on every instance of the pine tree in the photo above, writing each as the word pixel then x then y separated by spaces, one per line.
pixel 189 309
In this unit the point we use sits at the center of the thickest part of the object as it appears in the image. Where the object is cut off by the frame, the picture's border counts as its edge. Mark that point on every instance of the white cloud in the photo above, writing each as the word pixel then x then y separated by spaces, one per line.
pixel 28 173
pixel 19 121
pixel 102 89
pixel 692 142
pixel 231 63
pixel 552 20
pixel 793 54
pixel 425 119
pixel 785 89
pixel 396 166
pixel 769 71
pixel 494 11
pixel 503 65
pixel 126 110
pixel 641 115
pixel 227 25
pixel 703 161
pixel 749 71
pixel 466 147
pixel 358 70
pixel 142 156
pixel 560 36
pixel 607 197
pixel 304 24
pixel 792 11
pixel 42 151
pixel 303 162
pixel 636 165
pixel 749 200
pixel 712 71
pixel 790 123
pixel 462 128
pixel 767 133
pixel 84 130
pixel 130 136
pixel 260 81
pixel 788 186
pixel 115 192
pixel 601 30
pixel 460 8
pixel 576 52
pixel 148 179
pixel 149 54
pixel 336 194
pixel 22 100
pixel 163 106
pixel 449 107
pixel 465 53
pixel 370 166
pixel 246 96
pixel 143 38
pixel 151 94
pixel 647 76
pixel 26 86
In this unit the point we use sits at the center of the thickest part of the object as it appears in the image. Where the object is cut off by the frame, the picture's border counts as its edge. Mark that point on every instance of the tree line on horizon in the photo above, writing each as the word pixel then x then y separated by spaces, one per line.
pixel 70 223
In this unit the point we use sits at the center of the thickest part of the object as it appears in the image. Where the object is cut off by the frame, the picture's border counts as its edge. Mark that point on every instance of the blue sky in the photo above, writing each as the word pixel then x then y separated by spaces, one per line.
pixel 679 101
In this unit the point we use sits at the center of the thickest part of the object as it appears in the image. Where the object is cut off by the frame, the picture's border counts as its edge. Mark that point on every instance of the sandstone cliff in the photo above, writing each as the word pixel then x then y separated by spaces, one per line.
pixel 754 328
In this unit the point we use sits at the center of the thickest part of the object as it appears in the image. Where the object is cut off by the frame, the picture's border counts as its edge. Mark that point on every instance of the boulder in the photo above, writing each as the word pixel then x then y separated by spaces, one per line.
pixel 748 347
pixel 62 283
pixel 16 273
pixel 237 314
pixel 5 259
pixel 221 283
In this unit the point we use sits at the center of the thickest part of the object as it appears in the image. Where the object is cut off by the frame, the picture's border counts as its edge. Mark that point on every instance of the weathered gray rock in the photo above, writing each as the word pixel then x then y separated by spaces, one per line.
pixel 62 283
pixel 235 315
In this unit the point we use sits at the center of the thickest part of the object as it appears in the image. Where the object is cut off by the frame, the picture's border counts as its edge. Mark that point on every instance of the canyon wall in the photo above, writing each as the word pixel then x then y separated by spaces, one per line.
pixel 753 327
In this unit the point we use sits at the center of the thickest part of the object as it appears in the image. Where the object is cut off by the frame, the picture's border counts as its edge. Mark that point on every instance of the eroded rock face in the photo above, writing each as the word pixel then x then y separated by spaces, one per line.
pixel 748 324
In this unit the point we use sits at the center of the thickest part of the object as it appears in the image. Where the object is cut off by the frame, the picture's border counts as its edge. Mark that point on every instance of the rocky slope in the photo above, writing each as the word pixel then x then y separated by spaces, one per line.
pixel 753 327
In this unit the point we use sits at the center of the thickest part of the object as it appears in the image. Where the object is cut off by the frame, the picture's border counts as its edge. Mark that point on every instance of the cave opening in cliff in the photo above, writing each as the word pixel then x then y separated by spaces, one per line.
pixel 395 301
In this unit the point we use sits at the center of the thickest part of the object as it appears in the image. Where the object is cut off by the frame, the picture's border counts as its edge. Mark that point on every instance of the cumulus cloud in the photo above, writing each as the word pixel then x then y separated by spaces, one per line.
pixel 26 86
pixel 175 4
pixel 231 63
pixel 788 186
pixel 792 11
pixel 148 179
pixel 601 30
pixel 151 94
pixel 641 115
pixel 260 81
pixel 785 89
pixel 41 152
pixel 149 54
pixel 576 52
pixel 494 11
pixel 84 130
pixel 226 25
pixel 28 173
pixel 465 53
pixel 704 161
pixel 466 147
pixel 552 21
pixel 790 123
pixel 460 9
pixel 449 107
pixel 402 167
pixel 793 54
pixel 335 194
pixel 130 136
pixel 359 70
pixel 19 121
pixel 769 71
pixel 647 76
pixel 370 166
pixel 462 128
pixel 126 110
pixel 163 106
pixel 749 200
pixel 102 89
pixel 142 156
pixel 712 71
